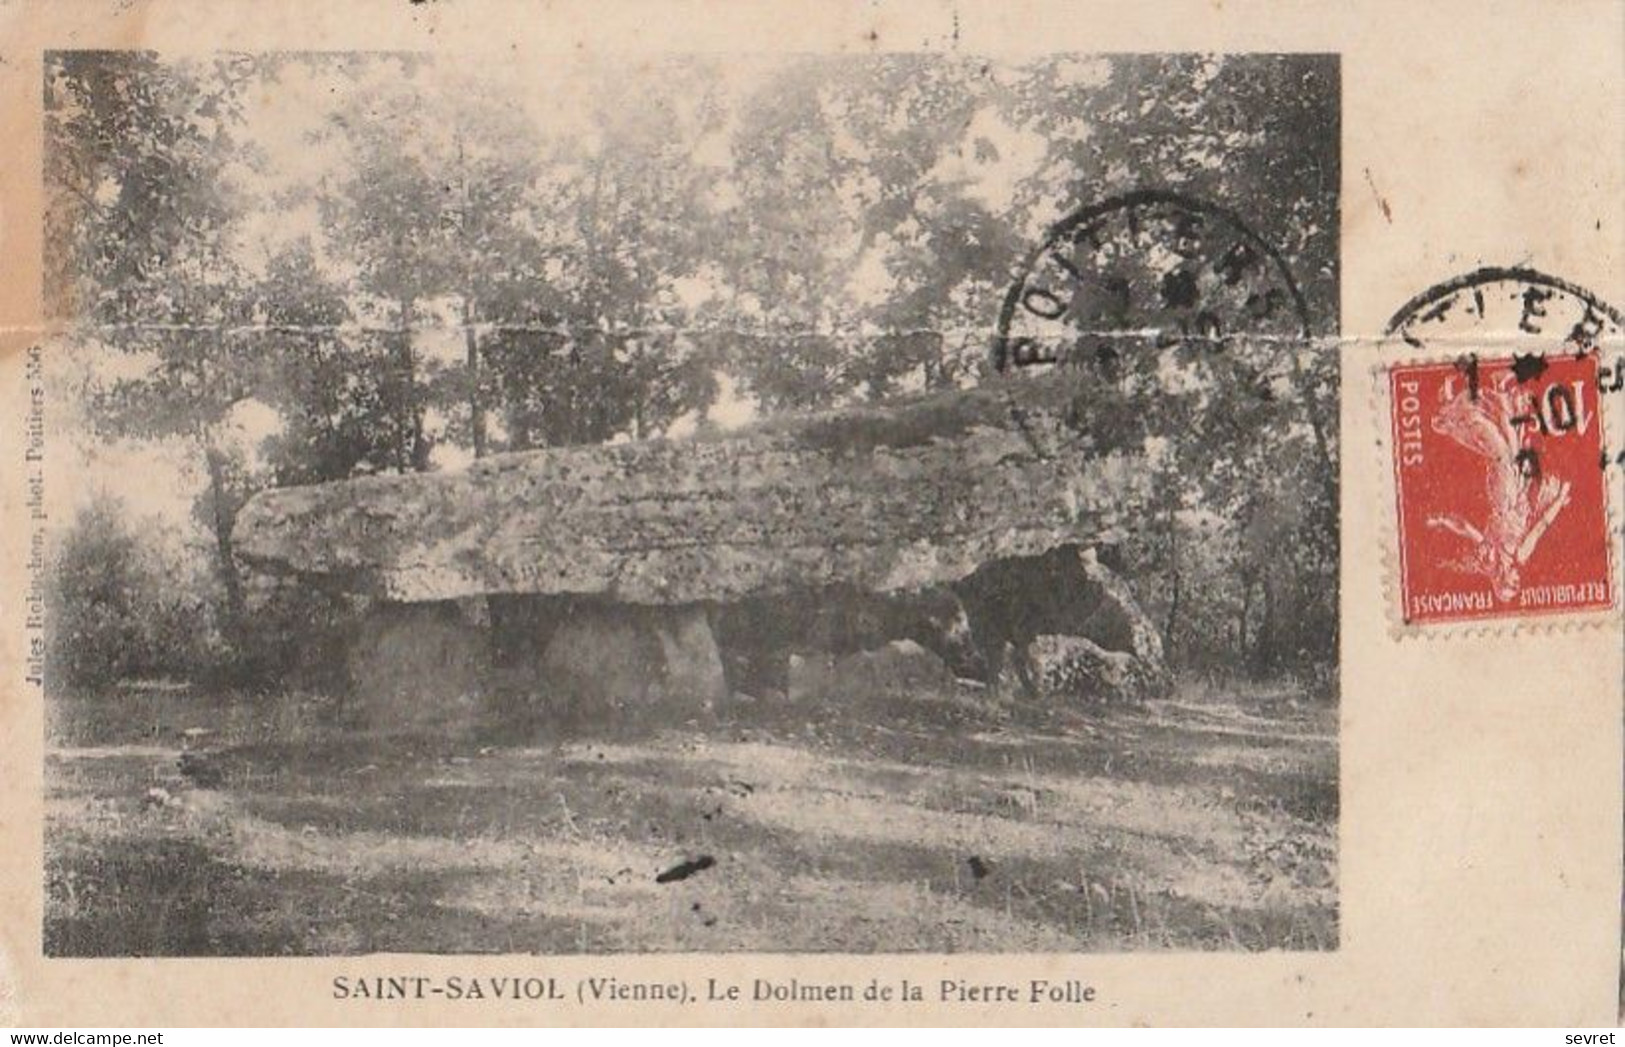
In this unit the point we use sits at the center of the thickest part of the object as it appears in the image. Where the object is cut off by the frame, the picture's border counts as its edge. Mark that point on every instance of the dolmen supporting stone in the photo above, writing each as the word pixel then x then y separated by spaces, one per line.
pixel 606 572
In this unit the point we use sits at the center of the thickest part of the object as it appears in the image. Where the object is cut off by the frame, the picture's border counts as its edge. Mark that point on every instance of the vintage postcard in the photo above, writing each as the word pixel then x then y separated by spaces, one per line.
pixel 708 513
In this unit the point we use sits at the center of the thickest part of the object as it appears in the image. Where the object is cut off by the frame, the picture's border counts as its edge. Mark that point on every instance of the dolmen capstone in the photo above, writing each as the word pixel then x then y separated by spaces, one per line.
pixel 670 573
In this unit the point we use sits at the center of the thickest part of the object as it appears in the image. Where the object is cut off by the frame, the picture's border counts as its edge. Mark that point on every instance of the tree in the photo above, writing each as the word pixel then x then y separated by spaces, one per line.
pixel 121 607
pixel 837 164
pixel 385 212
pixel 328 381
pixel 593 339
pixel 139 217
pixel 435 203
pixel 922 124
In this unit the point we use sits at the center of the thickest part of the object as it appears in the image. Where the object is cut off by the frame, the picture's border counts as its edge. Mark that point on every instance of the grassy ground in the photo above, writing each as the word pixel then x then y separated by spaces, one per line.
pixel 934 822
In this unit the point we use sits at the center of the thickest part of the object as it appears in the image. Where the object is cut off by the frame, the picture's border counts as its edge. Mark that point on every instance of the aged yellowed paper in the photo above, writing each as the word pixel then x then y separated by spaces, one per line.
pixel 719 513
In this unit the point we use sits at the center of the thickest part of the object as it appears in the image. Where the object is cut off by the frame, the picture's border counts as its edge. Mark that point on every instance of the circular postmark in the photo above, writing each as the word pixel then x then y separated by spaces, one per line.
pixel 1150 266
pixel 1148 302
pixel 1524 303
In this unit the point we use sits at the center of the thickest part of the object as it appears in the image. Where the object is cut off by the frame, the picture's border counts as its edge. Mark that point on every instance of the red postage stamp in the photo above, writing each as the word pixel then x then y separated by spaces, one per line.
pixel 1502 498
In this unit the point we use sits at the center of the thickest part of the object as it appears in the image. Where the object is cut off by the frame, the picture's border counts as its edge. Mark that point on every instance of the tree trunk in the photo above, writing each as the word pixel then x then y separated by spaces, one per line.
pixel 221 520
pixel 1265 642
pixel 1315 415
pixel 519 438
pixel 1170 630
pixel 1246 612
pixel 476 406
pixel 416 454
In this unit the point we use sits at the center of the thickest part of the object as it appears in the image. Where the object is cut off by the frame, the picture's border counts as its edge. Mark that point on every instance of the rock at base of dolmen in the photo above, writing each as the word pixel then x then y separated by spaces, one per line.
pixel 1122 625
pixel 417 666
pixel 578 664
pixel 691 670
pixel 1072 668
pixel 897 667
pixel 1065 594
pixel 599 664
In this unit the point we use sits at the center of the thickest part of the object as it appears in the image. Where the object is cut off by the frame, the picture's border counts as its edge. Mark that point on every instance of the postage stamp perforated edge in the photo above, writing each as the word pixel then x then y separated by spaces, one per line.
pixel 1393 353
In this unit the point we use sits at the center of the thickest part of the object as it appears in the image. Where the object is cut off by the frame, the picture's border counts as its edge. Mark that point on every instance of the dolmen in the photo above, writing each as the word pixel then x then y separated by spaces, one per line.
pixel 679 574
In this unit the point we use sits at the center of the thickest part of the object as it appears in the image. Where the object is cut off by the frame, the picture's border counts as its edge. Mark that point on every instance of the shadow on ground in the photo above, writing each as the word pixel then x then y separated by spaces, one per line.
pixel 932 822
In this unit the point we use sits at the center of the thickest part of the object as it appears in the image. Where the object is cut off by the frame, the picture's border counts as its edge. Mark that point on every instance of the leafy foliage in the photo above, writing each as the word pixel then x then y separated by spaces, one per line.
pixel 120 607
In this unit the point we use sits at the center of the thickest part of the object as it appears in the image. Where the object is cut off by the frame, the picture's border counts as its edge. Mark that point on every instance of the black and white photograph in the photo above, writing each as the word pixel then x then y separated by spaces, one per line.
pixel 840 503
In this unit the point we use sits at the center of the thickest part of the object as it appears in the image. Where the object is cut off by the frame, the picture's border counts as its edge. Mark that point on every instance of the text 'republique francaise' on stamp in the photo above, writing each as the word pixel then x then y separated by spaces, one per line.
pixel 1498 387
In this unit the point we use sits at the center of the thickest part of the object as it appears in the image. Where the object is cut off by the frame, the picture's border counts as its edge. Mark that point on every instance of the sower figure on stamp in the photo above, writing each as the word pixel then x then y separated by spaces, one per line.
pixel 1522 502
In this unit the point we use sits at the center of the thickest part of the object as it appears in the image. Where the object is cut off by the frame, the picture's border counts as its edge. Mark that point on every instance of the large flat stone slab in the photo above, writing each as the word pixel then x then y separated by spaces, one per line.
pixel 901 497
